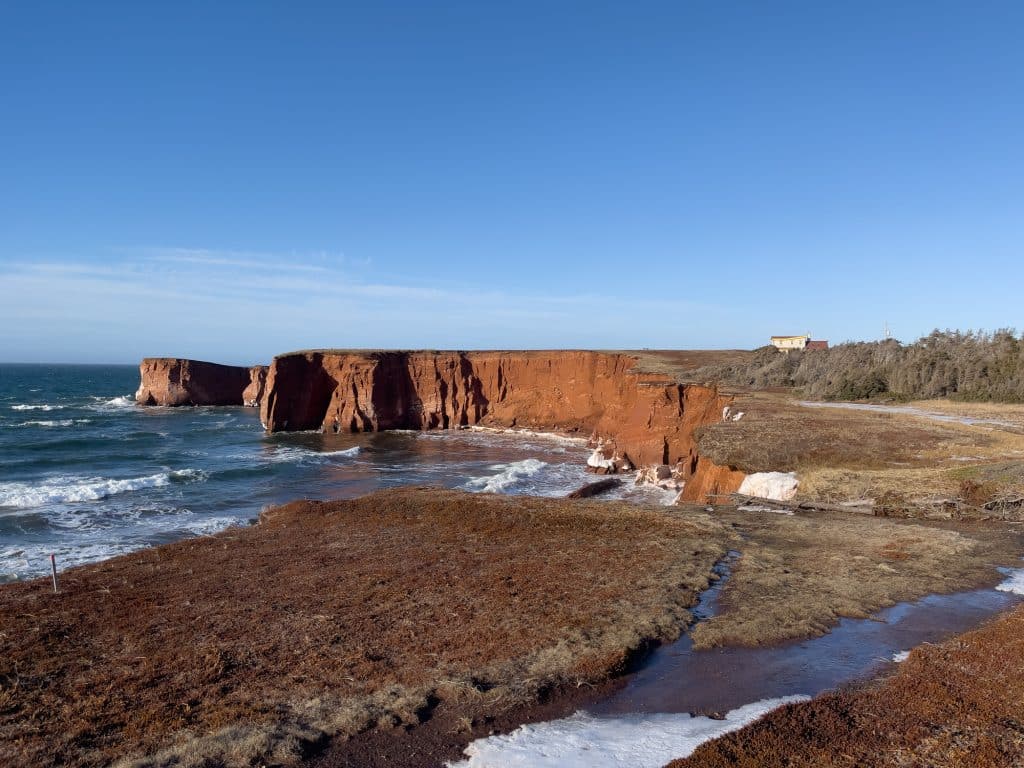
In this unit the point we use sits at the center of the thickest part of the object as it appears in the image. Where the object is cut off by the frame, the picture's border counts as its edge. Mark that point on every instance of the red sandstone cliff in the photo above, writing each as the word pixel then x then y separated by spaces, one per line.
pixel 641 418
pixel 252 395
pixel 174 381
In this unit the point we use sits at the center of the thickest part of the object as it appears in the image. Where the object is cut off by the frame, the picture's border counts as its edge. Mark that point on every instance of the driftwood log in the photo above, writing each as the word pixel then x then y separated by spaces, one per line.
pixel 593 489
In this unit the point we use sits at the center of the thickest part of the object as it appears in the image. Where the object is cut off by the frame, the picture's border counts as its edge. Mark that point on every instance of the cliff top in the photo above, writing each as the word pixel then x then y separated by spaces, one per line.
pixel 675 363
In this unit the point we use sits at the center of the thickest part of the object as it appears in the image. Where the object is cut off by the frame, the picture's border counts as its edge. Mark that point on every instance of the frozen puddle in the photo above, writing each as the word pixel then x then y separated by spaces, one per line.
pixel 586 741
pixel 910 411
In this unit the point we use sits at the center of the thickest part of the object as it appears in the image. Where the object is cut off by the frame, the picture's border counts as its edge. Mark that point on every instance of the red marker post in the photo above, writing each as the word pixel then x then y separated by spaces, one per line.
pixel 53 568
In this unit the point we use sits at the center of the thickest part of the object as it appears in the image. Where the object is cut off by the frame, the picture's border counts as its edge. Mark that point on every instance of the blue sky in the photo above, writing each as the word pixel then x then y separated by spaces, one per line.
pixel 229 181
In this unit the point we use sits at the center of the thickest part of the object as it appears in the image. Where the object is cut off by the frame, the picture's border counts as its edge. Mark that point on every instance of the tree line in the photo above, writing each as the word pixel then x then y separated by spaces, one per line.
pixel 960 365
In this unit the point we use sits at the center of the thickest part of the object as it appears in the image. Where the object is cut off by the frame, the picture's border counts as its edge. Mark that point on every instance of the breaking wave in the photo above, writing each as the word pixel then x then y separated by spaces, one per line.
pixel 36 407
pixel 120 403
pixel 62 490
pixel 507 476
pixel 291 453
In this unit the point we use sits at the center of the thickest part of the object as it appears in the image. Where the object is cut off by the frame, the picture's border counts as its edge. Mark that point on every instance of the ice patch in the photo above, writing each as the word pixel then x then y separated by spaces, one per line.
pixel 43 407
pixel 585 741
pixel 508 475
pixel 66 489
pixel 1015 582
pixel 778 486
pixel 760 508
pixel 900 656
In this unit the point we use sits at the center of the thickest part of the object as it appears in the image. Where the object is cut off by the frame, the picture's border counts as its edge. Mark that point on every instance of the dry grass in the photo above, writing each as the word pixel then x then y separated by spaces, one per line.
pixel 329 618
pixel 799 574
pixel 1009 412
pixel 843 455
pixel 777 434
pixel 951 705
pixel 683 365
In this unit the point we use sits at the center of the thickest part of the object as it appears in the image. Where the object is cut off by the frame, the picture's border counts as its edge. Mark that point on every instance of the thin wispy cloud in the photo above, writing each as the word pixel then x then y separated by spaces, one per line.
pixel 245 306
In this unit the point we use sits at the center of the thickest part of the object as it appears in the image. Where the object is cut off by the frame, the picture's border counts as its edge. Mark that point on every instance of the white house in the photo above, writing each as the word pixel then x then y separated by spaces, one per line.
pixel 786 343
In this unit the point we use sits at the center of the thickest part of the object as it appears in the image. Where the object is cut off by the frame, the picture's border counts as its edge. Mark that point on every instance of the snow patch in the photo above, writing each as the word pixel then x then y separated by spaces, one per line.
pixel 585 741
pixel 778 486
pixel 1015 582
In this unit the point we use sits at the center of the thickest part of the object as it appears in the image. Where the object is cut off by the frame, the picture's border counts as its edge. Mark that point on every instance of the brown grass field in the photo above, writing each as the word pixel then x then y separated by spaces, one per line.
pixel 904 464
pixel 330 618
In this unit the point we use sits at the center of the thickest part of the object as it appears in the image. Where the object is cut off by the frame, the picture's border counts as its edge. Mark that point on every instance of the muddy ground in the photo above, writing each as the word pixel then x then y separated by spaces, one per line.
pixel 416 620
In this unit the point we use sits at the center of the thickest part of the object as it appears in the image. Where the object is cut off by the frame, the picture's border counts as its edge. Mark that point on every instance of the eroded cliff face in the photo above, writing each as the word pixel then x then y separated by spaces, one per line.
pixel 252 395
pixel 175 381
pixel 637 419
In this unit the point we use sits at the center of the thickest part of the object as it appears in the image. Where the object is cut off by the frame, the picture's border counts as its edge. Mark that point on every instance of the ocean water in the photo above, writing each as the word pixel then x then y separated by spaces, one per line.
pixel 86 474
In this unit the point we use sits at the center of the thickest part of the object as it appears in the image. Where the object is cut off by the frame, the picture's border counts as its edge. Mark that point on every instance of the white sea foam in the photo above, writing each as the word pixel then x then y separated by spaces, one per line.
pixel 900 656
pixel 598 461
pixel 779 486
pixel 507 476
pixel 36 407
pixel 353 451
pixel 551 436
pixel 47 423
pixel 67 489
pixel 120 403
pixel 285 454
pixel 585 741
pixel 18 562
pixel 1014 582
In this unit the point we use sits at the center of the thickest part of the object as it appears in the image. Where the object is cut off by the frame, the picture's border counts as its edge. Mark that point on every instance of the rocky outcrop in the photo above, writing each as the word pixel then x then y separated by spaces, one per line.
pixel 711 483
pixel 635 418
pixel 175 381
pixel 252 395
